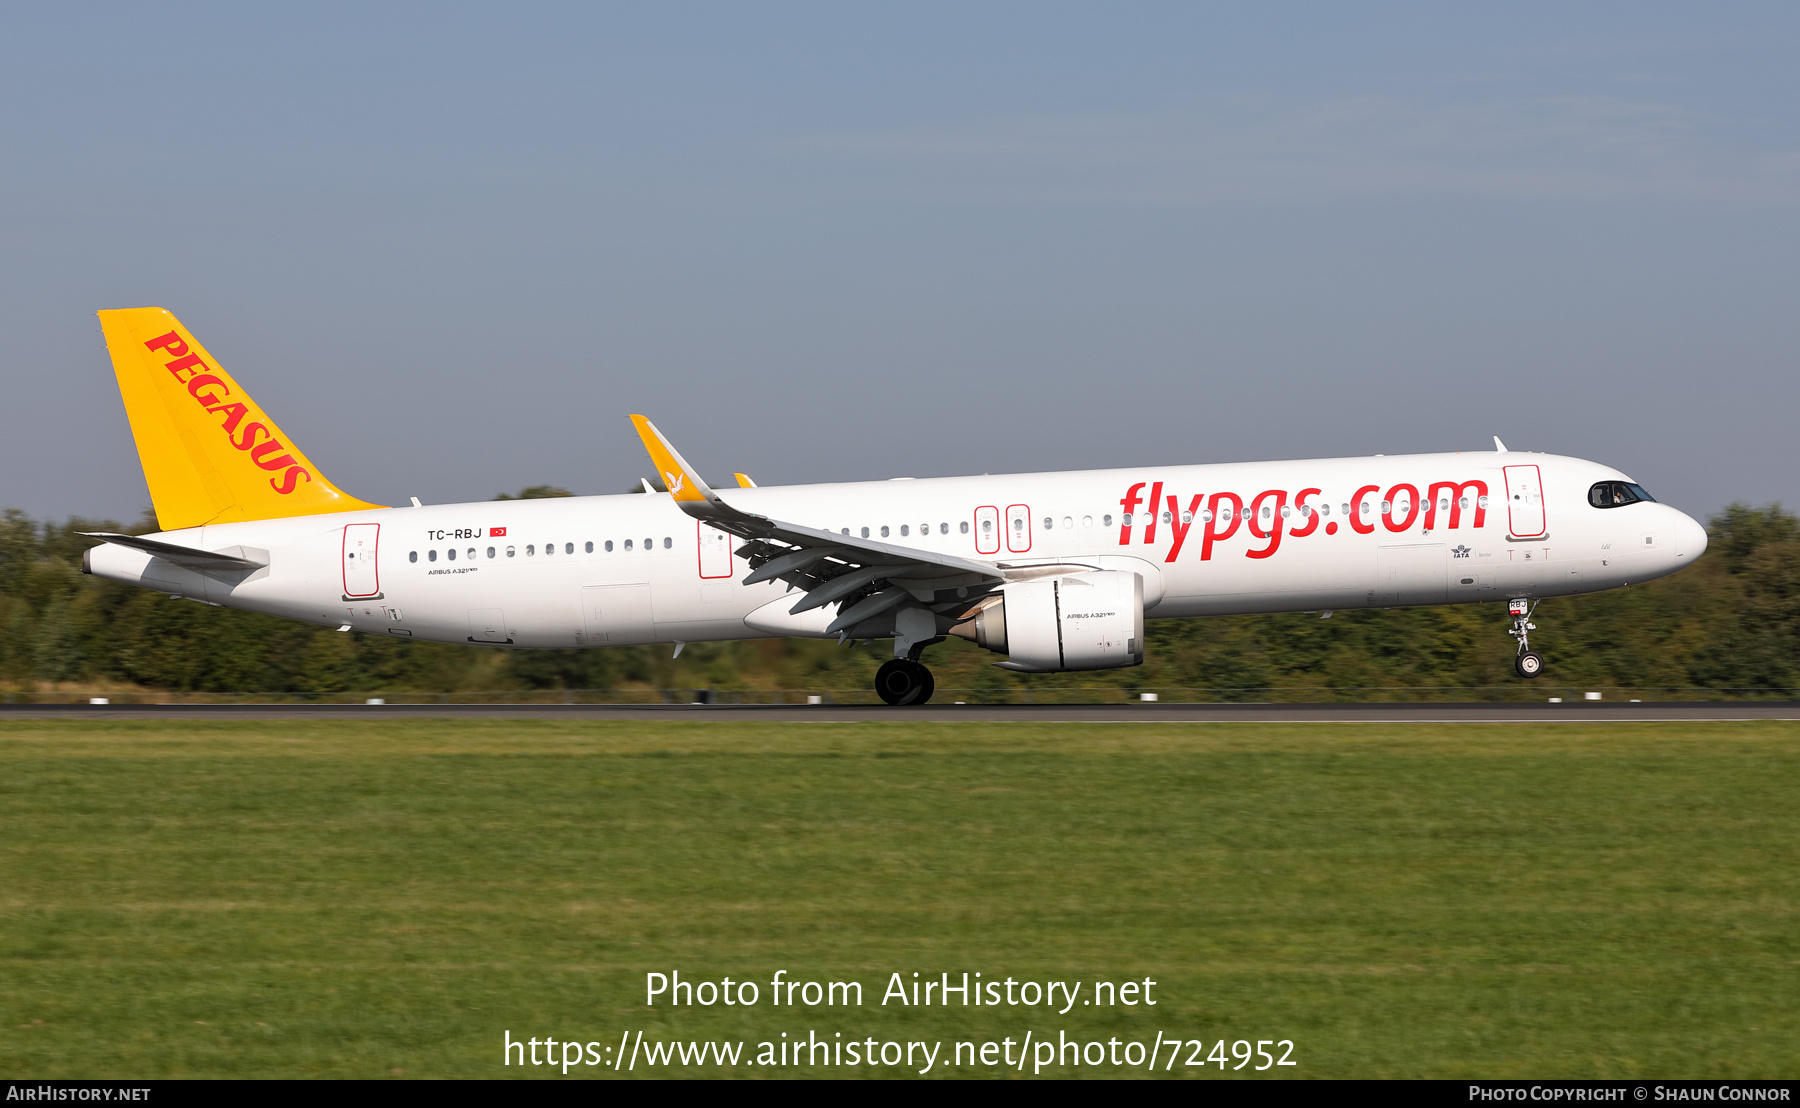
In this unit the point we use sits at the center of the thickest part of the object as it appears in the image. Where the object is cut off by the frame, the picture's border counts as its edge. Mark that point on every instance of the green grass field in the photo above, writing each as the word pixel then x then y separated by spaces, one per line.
pixel 358 899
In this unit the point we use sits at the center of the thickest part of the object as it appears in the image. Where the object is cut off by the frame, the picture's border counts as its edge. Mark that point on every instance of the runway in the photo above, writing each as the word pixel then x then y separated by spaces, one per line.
pixel 1581 712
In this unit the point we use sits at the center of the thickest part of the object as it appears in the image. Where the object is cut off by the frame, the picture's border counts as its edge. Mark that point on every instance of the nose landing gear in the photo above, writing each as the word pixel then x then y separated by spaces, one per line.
pixel 1529 663
pixel 903 681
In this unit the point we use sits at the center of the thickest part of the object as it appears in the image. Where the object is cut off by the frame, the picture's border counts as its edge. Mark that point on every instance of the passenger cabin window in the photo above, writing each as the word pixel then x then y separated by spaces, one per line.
pixel 1617 494
pixel 490 552
pixel 628 544
pixel 668 543
pixel 590 548
pixel 431 555
pixel 965 526
pixel 569 547
pixel 413 557
pixel 530 549
pixel 450 554
pixel 609 546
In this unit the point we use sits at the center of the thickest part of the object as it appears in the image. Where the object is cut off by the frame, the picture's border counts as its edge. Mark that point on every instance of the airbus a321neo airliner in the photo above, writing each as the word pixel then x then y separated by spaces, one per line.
pixel 1057 571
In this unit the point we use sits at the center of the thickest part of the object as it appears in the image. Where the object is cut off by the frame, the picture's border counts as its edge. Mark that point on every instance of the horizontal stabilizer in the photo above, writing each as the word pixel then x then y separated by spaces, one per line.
pixel 188 557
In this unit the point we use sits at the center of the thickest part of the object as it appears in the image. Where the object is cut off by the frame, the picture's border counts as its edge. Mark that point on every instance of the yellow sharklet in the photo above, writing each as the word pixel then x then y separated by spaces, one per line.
pixel 677 477
pixel 210 453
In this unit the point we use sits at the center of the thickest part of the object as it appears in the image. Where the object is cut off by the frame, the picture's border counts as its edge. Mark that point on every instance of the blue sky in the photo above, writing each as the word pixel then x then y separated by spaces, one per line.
pixel 451 247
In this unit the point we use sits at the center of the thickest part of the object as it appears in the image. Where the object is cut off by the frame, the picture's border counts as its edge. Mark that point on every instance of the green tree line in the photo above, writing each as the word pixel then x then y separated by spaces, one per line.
pixel 1728 626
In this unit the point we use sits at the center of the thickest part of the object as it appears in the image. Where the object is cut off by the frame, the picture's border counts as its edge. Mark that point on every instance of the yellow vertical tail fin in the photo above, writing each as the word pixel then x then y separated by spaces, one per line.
pixel 210 453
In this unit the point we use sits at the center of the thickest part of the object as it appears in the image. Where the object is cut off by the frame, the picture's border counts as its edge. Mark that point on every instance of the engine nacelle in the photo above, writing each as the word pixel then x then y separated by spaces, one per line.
pixel 1076 621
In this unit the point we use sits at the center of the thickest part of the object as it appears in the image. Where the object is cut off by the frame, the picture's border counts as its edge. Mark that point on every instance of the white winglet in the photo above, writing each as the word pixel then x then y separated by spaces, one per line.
pixel 1498 445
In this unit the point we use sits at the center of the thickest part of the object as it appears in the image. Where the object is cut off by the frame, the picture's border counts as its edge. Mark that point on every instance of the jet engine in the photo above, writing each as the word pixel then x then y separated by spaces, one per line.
pixel 1075 621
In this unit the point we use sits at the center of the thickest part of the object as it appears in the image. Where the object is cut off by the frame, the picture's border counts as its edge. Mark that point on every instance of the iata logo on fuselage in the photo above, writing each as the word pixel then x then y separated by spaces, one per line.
pixel 201 383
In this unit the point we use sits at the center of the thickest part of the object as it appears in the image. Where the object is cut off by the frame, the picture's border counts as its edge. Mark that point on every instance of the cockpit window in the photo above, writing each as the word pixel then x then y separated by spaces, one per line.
pixel 1617 494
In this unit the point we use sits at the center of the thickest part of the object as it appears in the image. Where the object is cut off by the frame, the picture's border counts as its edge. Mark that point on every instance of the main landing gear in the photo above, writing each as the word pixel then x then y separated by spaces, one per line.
pixel 1529 663
pixel 904 681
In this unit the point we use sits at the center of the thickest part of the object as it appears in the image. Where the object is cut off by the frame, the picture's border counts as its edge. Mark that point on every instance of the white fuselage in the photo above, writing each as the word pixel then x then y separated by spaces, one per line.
pixel 613 570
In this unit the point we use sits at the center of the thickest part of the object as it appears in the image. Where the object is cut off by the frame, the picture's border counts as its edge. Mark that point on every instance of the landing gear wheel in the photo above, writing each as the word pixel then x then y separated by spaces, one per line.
pixel 900 681
pixel 1529 663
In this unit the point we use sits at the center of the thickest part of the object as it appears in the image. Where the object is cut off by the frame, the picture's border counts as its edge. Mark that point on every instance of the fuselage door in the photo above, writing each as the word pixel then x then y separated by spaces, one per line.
pixel 1524 502
pixel 362 577
pixel 987 530
pixel 1018 528
pixel 715 551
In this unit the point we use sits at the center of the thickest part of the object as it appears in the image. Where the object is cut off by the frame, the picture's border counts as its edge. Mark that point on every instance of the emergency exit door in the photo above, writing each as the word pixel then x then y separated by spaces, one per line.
pixel 987 530
pixel 715 552
pixel 1018 528
pixel 362 576
pixel 1524 502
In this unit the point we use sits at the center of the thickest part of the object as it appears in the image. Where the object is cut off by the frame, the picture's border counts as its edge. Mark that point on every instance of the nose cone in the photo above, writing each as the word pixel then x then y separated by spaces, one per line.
pixel 1690 538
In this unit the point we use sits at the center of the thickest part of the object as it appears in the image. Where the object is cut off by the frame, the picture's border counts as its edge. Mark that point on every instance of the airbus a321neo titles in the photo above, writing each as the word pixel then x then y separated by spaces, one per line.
pixel 1057 571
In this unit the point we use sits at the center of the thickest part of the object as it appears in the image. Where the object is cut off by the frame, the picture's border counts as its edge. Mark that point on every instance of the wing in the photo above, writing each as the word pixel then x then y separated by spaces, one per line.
pixel 863 577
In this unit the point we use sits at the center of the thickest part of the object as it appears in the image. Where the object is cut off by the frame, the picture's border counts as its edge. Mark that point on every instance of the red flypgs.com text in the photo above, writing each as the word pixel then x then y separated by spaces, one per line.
pixel 1270 515
pixel 188 369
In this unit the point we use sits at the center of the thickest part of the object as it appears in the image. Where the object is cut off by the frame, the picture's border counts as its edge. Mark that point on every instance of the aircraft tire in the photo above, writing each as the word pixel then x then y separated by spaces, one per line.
pixel 1529 664
pixel 927 683
pixel 900 682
